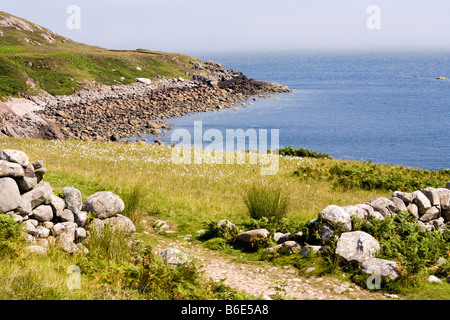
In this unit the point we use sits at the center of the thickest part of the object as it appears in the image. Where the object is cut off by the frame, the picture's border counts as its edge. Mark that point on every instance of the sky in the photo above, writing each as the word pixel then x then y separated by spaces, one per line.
pixel 203 26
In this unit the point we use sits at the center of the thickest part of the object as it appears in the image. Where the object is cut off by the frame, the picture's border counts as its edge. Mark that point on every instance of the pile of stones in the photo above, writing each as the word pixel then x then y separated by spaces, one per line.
pixel 49 219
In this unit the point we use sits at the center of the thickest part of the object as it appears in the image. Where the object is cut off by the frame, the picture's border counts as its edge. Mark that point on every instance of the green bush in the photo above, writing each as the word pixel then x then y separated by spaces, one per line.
pixel 369 176
pixel 302 152
pixel 9 235
pixel 403 240
pixel 265 201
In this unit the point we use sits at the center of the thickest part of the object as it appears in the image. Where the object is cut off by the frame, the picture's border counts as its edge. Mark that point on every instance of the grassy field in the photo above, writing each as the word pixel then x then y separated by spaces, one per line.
pixel 188 196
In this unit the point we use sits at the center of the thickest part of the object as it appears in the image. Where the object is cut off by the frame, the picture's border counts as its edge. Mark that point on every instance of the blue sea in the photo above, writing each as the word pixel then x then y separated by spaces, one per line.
pixel 379 107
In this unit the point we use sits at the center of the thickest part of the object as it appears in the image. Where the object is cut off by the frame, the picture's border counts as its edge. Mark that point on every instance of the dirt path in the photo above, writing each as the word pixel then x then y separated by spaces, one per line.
pixel 261 278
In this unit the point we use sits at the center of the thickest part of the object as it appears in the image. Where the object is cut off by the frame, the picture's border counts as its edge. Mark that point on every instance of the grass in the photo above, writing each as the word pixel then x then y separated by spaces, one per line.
pixel 188 196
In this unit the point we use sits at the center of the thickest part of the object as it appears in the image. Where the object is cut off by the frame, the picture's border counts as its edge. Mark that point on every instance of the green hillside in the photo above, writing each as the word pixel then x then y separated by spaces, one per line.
pixel 33 57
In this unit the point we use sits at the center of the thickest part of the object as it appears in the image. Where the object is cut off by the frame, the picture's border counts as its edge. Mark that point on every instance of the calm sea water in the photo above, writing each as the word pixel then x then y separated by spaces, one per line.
pixel 351 106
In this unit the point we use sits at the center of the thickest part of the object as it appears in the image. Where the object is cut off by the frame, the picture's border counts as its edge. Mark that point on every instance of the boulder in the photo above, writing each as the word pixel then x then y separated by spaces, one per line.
pixel 10 169
pixel 173 256
pixel 66 244
pixel 405 196
pixel 357 246
pixel 434 279
pixel 433 195
pixel 104 204
pixel 30 227
pixel 144 80
pixel 382 267
pixel 399 204
pixel 58 204
pixel 80 218
pixel 38 164
pixel 422 202
pixel 15 156
pixel 291 245
pixel 384 206
pixel 42 232
pixel 413 209
pixel 252 235
pixel 326 232
pixel 34 198
pixel 80 233
pixel 9 195
pixel 73 199
pixel 336 217
pixel 309 250
pixel 67 216
pixel 431 214
pixel 28 181
pixel 40 174
pixel 444 200
pixel 447 185
pixel 43 213
pixel 119 223
pixel 356 210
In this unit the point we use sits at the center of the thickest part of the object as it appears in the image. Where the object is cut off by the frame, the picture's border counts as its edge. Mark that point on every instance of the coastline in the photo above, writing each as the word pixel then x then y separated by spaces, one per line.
pixel 110 113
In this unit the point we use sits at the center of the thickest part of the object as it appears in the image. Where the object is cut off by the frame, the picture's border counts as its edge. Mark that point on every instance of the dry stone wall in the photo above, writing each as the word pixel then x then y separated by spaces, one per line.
pixel 49 219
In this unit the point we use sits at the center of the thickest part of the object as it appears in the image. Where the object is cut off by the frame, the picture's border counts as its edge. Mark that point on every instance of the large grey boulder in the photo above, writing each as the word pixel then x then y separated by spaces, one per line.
pixel 399 204
pixel 357 246
pixel 336 217
pixel 413 210
pixel 172 256
pixel 9 195
pixel 34 198
pixel 444 200
pixel 422 202
pixel 15 156
pixel 405 196
pixel 118 223
pixel 356 210
pixel 58 204
pixel 383 205
pixel 431 214
pixel 252 235
pixel 28 181
pixel 43 213
pixel 104 204
pixel 10 169
pixel 433 195
pixel 73 199
pixel 381 267
pixel 67 216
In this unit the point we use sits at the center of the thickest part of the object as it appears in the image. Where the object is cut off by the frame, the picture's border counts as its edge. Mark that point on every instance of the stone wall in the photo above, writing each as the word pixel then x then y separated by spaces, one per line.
pixel 49 219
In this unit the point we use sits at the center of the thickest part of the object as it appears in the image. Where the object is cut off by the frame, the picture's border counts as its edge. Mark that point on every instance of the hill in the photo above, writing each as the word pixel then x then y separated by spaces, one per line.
pixel 33 57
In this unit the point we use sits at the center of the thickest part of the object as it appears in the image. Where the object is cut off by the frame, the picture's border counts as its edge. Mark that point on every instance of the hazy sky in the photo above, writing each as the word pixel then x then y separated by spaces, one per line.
pixel 245 25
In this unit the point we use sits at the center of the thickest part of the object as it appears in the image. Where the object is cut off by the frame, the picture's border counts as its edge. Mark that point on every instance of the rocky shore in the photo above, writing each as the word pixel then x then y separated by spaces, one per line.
pixel 110 113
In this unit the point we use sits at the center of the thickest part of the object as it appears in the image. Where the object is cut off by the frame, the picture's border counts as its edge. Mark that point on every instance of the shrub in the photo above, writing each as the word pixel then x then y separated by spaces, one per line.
pixel 9 234
pixel 302 152
pixel 265 201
